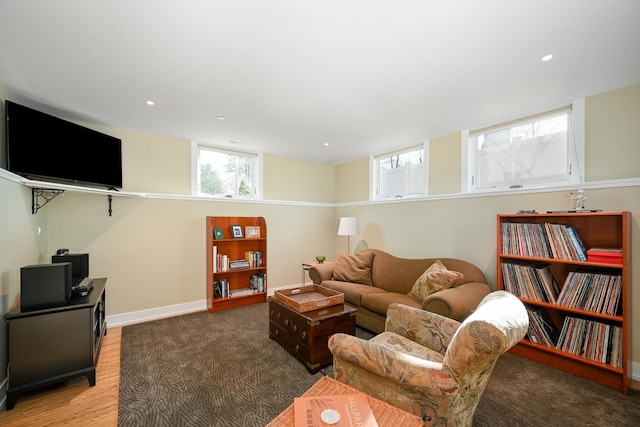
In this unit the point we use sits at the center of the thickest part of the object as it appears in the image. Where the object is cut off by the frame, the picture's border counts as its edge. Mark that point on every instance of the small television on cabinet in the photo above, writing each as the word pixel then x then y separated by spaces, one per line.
pixel 40 146
pixel 45 285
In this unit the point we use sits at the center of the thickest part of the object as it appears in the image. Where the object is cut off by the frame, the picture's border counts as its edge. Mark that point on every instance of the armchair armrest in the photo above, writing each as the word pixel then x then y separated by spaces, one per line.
pixel 457 302
pixel 428 329
pixel 390 364
pixel 320 272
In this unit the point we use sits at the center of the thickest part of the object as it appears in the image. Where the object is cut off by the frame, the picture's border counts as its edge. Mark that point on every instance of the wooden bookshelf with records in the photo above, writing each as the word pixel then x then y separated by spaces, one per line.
pixel 573 272
pixel 236 262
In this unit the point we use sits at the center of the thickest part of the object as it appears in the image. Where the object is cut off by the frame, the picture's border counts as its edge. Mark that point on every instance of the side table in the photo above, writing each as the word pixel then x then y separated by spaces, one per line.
pixel 386 414
pixel 306 266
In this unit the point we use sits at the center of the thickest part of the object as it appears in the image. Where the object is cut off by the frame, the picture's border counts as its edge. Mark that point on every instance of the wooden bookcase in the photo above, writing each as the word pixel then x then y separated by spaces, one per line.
pixel 239 279
pixel 596 230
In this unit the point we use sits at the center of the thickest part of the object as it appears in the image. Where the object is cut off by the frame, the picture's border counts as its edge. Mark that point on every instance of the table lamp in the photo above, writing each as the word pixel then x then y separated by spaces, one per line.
pixel 348 227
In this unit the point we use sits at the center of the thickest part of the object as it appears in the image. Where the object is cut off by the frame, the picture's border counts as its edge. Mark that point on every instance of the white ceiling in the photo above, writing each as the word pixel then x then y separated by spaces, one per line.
pixel 364 76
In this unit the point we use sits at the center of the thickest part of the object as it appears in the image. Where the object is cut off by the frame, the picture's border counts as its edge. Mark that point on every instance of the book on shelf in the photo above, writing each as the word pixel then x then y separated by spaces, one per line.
pixel 258 281
pixel 547 240
pixel 530 280
pixel 254 258
pixel 592 339
pixel 220 288
pixel 597 292
pixel 541 327
pixel 348 409
pixel 577 243
pixel 605 255
pixel 241 292
pixel 238 263
pixel 220 262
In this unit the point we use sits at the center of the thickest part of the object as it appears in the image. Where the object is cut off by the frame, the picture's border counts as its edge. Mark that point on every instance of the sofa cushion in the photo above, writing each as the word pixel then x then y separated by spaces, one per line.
pixel 379 302
pixel 435 278
pixel 354 268
pixel 352 291
pixel 395 274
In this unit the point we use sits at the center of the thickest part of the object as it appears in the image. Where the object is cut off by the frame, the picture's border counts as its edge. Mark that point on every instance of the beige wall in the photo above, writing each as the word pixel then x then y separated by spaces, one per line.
pixel 153 163
pixel 444 164
pixel 613 135
pixel 291 179
pixel 352 181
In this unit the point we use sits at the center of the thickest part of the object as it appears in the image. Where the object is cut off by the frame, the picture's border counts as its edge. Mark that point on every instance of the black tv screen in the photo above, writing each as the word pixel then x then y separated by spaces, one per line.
pixel 43 147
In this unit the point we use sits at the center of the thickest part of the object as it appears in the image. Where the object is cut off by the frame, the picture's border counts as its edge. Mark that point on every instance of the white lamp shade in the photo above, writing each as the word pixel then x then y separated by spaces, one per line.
pixel 348 226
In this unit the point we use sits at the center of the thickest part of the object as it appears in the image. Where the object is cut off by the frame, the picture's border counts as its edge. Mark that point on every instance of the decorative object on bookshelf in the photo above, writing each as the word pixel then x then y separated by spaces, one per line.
pixel 236 231
pixel 580 198
pixel 218 233
pixel 578 300
pixel 574 211
pixel 236 267
pixel 320 259
pixel 252 232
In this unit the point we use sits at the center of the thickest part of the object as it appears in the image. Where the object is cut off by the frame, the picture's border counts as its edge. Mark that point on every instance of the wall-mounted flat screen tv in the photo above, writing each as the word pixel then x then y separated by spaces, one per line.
pixel 40 146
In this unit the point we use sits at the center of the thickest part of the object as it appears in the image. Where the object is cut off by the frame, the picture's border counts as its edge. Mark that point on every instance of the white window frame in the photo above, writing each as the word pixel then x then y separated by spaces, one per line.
pixel 195 170
pixel 374 168
pixel 576 153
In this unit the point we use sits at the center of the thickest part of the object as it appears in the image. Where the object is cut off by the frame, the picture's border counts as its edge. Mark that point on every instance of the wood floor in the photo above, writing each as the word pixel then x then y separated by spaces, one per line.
pixel 74 403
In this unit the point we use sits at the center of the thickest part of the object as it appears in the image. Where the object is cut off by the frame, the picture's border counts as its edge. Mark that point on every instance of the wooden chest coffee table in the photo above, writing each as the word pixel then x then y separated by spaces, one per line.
pixel 305 335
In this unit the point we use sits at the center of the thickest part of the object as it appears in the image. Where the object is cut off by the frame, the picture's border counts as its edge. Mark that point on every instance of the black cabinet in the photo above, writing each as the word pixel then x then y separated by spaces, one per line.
pixel 55 344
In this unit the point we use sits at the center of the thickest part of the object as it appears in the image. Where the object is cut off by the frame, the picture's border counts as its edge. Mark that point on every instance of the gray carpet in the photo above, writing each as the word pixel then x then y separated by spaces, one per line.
pixel 222 369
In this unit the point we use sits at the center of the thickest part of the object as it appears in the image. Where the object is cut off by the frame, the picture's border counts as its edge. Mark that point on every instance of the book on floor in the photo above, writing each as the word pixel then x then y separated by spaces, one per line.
pixel 342 410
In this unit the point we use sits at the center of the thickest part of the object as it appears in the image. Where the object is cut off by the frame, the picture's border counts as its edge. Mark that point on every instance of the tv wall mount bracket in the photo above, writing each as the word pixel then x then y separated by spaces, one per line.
pixel 42 196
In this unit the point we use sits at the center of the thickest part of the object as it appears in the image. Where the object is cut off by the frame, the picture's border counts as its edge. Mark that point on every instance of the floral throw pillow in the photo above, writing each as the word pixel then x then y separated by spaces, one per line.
pixel 436 278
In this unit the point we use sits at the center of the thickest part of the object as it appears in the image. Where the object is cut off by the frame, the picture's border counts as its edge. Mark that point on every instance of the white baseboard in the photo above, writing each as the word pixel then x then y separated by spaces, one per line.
pixel 168 311
pixel 155 313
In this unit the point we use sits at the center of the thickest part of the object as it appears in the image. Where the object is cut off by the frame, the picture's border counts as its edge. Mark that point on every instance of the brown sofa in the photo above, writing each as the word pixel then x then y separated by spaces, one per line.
pixel 389 279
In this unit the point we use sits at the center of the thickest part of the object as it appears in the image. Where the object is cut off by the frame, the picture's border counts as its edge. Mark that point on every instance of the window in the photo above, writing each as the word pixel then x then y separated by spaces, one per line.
pixel 537 150
pixel 226 173
pixel 401 174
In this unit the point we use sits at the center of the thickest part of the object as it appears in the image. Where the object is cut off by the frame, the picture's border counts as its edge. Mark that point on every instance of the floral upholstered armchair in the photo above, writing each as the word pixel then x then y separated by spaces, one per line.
pixel 430 365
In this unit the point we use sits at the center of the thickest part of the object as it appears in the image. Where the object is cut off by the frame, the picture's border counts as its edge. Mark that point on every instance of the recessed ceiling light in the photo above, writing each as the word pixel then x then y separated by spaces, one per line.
pixel 547 58
pixel 326 144
pixel 150 102
pixel 223 118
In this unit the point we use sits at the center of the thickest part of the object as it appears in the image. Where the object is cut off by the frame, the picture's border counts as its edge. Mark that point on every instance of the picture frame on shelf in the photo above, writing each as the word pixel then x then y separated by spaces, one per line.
pixel 252 232
pixel 236 231
pixel 218 233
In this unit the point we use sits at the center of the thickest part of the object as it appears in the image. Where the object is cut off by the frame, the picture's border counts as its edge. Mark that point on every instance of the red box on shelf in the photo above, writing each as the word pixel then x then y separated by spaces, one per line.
pixel 605 255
